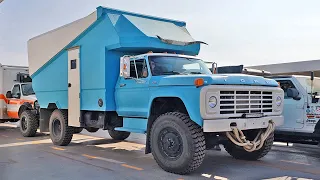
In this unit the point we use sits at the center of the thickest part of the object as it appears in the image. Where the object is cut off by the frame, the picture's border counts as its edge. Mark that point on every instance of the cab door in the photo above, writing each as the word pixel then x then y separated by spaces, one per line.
pixel 14 102
pixel 293 111
pixel 132 94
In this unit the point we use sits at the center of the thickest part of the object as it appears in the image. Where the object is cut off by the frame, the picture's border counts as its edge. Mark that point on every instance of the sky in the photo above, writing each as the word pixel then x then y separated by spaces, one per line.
pixel 248 32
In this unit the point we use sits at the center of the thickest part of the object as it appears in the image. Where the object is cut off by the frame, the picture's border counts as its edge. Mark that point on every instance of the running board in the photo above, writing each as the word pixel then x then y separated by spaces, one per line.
pixel 135 125
pixel 130 130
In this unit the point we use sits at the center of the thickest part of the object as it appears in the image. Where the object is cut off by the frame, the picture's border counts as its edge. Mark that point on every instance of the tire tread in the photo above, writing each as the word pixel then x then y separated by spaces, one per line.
pixel 33 124
pixel 198 143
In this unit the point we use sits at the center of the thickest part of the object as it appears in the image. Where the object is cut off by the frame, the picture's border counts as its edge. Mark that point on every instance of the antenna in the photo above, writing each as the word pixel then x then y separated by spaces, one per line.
pixel 312 78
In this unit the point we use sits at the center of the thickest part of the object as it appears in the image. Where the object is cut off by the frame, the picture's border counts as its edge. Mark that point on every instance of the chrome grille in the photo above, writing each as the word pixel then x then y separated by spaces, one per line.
pixel 240 102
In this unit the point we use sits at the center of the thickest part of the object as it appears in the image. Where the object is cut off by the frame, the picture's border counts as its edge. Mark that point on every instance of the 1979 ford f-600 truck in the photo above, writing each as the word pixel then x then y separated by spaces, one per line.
pixel 127 72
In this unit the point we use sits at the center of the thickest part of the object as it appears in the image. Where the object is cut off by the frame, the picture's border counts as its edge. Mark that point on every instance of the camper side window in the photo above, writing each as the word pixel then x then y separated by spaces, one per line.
pixel 16 91
pixel 285 85
pixel 141 69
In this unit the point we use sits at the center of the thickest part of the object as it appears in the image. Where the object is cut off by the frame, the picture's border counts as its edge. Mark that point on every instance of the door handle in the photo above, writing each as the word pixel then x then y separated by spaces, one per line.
pixel 121 85
pixel 69 84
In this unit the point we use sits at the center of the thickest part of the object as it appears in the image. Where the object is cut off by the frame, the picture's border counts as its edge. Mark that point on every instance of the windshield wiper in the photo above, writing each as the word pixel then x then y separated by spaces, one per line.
pixel 195 73
pixel 171 72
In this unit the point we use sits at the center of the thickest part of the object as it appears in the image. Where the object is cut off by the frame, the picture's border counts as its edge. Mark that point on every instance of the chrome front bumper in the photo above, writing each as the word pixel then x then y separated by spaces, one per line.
pixel 223 125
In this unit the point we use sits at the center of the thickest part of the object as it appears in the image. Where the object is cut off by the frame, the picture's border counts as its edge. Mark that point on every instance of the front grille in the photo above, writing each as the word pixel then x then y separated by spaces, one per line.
pixel 241 102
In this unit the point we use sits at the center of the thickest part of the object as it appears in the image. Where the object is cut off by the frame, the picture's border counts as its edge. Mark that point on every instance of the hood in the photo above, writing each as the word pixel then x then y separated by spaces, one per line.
pixel 30 97
pixel 215 79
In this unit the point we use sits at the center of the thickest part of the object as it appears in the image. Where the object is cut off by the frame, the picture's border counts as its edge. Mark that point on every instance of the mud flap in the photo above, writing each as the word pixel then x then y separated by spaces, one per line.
pixel 44 119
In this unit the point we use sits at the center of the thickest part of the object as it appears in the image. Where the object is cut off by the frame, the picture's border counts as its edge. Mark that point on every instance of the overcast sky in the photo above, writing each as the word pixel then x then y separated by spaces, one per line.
pixel 249 32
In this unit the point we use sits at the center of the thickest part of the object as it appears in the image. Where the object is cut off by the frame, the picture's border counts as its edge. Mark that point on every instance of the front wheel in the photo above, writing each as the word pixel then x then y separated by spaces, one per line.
pixel 28 123
pixel 60 133
pixel 239 153
pixel 177 143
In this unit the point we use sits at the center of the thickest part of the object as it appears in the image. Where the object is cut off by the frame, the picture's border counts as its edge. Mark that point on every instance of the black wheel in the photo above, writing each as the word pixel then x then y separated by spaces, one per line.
pixel 29 123
pixel 60 133
pixel 239 153
pixel 119 135
pixel 77 130
pixel 92 129
pixel 177 143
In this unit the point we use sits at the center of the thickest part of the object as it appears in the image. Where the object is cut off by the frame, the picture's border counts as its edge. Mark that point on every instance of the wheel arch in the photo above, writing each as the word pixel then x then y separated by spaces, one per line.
pixel 23 107
pixel 169 103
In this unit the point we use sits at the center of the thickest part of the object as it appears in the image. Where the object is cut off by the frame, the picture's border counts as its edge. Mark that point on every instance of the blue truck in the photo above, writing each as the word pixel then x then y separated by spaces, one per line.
pixel 132 73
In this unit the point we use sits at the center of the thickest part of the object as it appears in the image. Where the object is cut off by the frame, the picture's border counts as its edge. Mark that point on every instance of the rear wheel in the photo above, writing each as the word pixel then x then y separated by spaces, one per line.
pixel 28 123
pixel 60 133
pixel 92 129
pixel 177 143
pixel 239 153
pixel 119 135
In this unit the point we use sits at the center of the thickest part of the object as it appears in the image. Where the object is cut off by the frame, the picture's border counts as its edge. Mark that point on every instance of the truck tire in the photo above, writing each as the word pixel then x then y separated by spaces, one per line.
pixel 177 143
pixel 60 133
pixel 77 130
pixel 92 129
pixel 29 123
pixel 239 153
pixel 119 135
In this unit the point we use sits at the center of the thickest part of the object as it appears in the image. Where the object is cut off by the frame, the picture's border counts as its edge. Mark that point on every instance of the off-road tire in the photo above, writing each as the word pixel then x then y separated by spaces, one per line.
pixel 239 153
pixel 77 130
pixel 118 135
pixel 188 133
pixel 29 129
pixel 66 134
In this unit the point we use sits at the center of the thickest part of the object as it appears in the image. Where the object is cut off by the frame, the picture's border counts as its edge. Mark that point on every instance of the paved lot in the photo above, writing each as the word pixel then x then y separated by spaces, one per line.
pixel 99 157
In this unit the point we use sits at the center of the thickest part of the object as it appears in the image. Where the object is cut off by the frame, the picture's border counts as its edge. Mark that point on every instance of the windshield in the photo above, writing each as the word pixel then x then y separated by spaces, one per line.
pixel 27 89
pixel 306 84
pixel 171 65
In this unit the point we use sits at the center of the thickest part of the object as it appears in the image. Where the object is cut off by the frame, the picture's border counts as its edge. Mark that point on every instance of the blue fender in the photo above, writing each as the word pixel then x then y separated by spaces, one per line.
pixel 190 96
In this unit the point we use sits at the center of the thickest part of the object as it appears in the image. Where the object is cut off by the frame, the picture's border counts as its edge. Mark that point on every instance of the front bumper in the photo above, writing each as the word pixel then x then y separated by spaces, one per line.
pixel 223 125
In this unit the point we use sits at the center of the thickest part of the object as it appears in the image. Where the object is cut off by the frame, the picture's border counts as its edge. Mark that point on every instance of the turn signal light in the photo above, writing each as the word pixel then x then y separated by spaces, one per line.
pixel 198 82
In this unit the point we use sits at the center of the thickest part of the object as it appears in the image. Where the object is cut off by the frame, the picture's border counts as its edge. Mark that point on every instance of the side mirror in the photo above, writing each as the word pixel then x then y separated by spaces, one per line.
pixel 125 66
pixel 8 94
pixel 214 67
pixel 293 93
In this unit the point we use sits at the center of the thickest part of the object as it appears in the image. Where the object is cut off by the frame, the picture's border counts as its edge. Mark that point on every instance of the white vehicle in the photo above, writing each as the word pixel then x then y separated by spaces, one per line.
pixel 301 109
pixel 301 104
pixel 17 98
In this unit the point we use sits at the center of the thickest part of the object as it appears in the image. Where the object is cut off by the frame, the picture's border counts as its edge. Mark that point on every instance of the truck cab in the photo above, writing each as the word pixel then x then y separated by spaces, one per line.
pixel 301 109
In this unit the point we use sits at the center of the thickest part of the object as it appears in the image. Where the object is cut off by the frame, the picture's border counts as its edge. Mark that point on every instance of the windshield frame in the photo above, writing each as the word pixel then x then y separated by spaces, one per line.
pixel 201 63
pixel 23 90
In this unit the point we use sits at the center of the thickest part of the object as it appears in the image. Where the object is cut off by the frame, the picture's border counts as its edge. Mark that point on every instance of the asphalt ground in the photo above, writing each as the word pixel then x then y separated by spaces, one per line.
pixel 96 156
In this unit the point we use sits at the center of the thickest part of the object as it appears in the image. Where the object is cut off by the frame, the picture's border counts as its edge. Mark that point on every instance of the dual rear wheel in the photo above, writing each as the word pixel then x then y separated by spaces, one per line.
pixel 61 134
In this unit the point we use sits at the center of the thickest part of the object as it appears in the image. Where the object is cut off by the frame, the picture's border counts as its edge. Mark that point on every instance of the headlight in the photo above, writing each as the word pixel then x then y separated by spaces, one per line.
pixel 278 101
pixel 212 102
